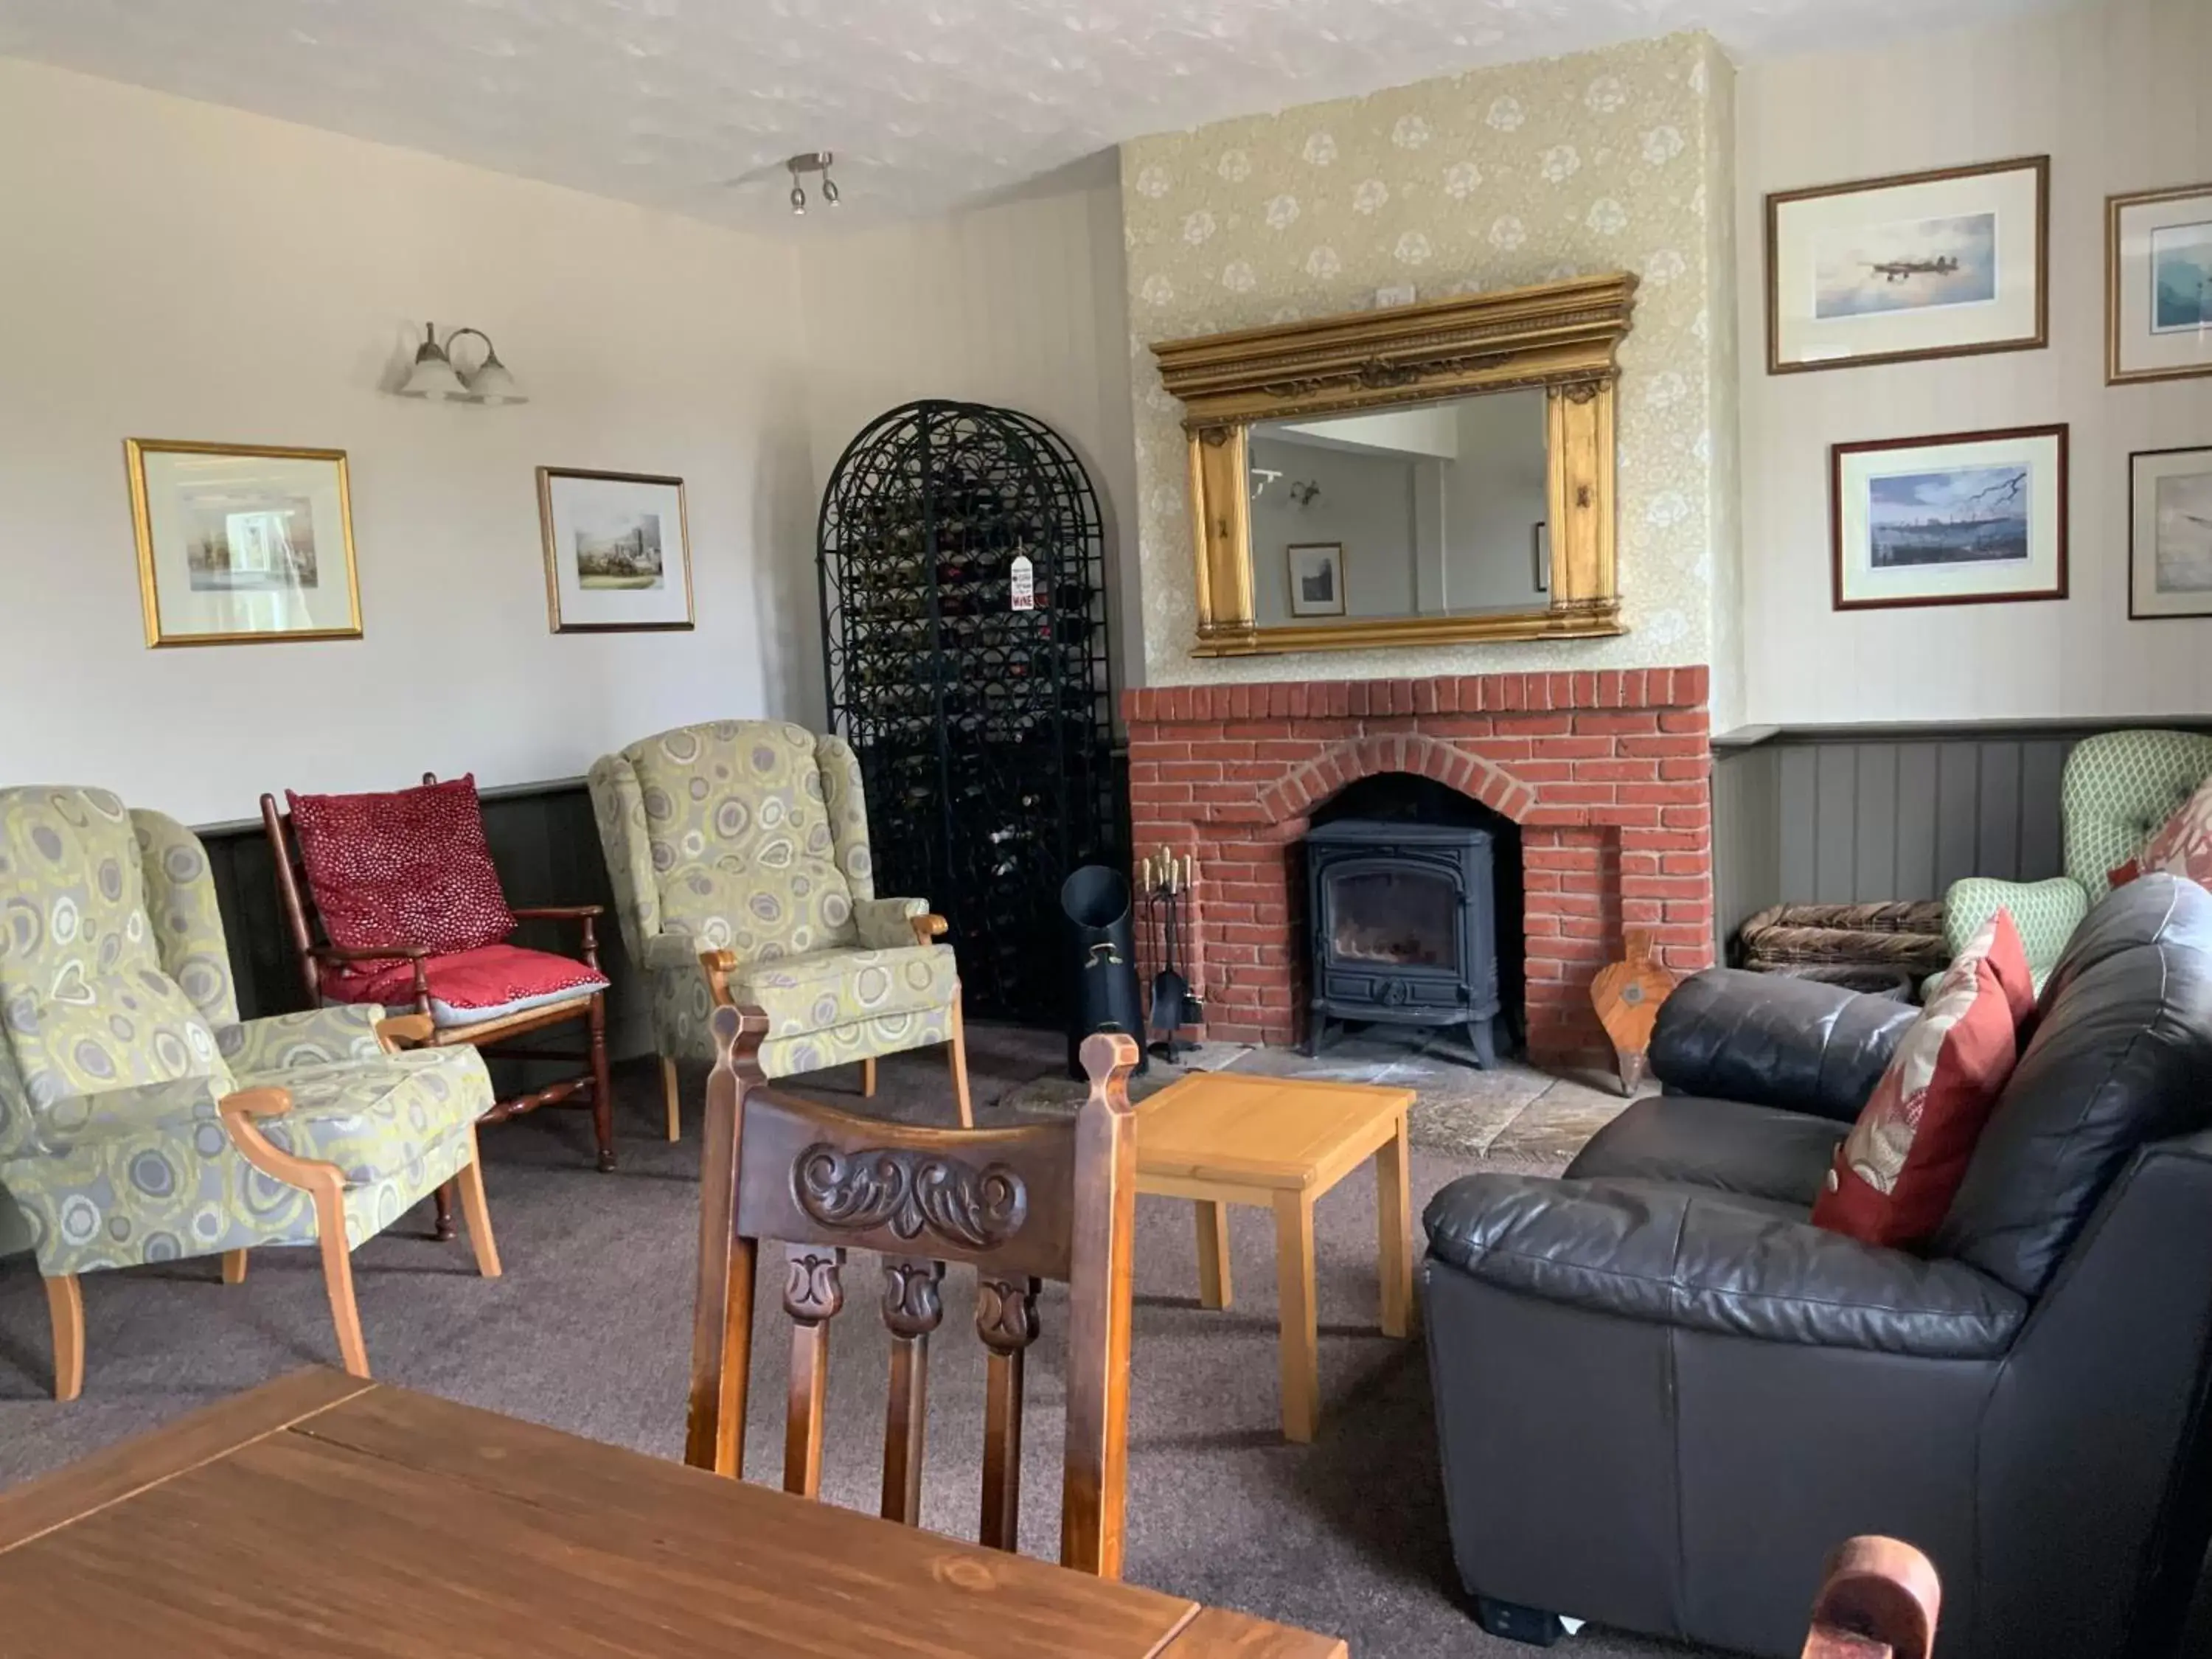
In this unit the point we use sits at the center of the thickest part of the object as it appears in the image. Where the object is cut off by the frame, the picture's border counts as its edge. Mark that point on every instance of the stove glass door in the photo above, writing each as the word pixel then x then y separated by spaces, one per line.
pixel 1393 918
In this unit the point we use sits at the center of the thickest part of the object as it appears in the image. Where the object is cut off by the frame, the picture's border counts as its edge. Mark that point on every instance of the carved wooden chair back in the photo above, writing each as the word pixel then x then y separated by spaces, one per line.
pixel 1878 1601
pixel 1019 1204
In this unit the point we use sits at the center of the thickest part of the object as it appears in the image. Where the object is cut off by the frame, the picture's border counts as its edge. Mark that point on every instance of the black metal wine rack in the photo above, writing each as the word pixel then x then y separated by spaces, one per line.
pixel 984 733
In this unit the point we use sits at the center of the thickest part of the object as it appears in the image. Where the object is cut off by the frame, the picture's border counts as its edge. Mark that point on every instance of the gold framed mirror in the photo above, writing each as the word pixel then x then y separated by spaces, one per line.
pixel 1419 475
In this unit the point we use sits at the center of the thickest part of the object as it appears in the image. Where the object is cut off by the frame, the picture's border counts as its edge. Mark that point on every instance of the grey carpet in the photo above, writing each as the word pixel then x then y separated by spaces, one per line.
pixel 589 1330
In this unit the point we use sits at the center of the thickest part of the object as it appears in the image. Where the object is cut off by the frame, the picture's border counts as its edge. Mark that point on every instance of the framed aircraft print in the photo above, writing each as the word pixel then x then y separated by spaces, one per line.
pixel 1921 264
pixel 2158 284
pixel 1967 517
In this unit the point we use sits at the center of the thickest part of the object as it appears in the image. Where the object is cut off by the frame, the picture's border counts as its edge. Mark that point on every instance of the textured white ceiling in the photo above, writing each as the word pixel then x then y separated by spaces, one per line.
pixel 927 103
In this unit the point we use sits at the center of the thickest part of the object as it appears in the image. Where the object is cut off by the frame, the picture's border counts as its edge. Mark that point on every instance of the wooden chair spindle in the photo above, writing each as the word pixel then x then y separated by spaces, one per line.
pixel 913 1306
pixel 813 1294
pixel 1006 1320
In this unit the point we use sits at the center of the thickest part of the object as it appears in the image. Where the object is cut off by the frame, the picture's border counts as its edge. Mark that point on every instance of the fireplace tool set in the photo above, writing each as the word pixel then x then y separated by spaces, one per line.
pixel 1166 881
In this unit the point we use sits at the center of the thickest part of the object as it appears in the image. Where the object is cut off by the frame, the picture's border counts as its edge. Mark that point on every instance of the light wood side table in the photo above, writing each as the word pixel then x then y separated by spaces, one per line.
pixel 1219 1138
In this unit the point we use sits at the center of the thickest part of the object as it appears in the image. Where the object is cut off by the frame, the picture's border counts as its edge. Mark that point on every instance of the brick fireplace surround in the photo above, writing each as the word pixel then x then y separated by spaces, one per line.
pixel 1605 773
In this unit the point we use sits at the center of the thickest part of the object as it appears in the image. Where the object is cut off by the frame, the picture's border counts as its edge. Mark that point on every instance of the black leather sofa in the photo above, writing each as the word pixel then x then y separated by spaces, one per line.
pixel 1663 1395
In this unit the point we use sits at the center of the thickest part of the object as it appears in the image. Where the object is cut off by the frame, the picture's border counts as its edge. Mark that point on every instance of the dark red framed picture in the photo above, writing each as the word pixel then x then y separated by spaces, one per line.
pixel 1960 518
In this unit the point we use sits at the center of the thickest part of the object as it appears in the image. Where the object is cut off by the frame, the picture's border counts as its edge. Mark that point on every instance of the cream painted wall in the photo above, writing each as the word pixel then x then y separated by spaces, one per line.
pixel 2116 95
pixel 1019 304
pixel 176 269
pixel 1606 160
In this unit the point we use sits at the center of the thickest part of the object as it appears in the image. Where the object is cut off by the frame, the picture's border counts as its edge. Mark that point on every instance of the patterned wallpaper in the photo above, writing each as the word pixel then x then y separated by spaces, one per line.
pixel 1605 161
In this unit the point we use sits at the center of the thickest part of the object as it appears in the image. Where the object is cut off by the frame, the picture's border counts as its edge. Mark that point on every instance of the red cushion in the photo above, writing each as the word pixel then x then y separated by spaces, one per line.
pixel 2183 845
pixel 1896 1173
pixel 408 868
pixel 468 985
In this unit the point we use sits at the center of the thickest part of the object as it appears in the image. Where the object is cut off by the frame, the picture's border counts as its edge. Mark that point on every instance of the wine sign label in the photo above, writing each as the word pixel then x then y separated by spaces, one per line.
pixel 1022 584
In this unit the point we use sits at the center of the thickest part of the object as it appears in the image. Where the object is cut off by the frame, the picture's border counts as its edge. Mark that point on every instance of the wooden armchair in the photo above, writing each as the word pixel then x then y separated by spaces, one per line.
pixel 415 981
pixel 1021 1205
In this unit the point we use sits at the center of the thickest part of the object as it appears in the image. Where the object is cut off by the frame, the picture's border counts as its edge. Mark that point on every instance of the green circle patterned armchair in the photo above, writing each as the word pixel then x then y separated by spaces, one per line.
pixel 738 855
pixel 2118 789
pixel 141 1120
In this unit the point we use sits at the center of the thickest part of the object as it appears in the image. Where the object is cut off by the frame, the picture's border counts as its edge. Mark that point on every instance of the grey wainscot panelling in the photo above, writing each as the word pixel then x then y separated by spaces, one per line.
pixel 1845 815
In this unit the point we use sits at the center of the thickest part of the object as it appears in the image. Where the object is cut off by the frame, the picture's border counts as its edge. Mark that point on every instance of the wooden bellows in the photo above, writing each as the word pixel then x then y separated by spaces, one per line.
pixel 1020 1204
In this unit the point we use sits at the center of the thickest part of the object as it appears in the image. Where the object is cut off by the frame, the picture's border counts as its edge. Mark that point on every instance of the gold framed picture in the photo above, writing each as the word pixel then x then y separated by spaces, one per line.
pixel 2158 284
pixel 242 543
pixel 618 551
pixel 1942 264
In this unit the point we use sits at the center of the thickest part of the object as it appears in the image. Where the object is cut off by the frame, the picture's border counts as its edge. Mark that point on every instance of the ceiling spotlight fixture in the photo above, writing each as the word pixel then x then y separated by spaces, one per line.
pixel 436 376
pixel 813 160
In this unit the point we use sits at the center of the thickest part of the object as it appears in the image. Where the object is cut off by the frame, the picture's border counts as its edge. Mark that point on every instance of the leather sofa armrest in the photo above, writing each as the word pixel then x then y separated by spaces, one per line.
pixel 1674 1255
pixel 1774 1040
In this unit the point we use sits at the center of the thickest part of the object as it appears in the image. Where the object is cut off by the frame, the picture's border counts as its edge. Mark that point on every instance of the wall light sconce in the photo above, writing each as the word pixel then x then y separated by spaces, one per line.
pixel 437 377
pixel 814 160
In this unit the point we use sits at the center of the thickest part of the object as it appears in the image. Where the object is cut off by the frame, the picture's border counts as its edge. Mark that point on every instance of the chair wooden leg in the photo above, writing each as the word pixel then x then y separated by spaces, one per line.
pixel 337 1280
pixel 960 1061
pixel 868 1079
pixel 323 1182
pixel 233 1266
pixel 477 1213
pixel 603 1095
pixel 669 1097
pixel 65 1309
pixel 443 1201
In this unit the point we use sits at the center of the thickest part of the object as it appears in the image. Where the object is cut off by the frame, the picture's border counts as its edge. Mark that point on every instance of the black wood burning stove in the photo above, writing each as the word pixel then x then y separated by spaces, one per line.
pixel 1404 926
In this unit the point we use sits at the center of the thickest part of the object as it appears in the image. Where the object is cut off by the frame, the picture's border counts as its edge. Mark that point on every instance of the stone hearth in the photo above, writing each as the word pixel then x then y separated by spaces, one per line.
pixel 1606 772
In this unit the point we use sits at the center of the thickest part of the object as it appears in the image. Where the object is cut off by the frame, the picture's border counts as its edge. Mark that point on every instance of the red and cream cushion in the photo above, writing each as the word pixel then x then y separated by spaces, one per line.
pixel 1899 1168
pixel 468 987
pixel 2182 845
pixel 408 868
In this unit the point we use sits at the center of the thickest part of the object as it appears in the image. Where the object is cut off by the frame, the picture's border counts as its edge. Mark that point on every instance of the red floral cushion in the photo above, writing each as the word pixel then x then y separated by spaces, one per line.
pixel 468 987
pixel 2182 845
pixel 408 868
pixel 1896 1173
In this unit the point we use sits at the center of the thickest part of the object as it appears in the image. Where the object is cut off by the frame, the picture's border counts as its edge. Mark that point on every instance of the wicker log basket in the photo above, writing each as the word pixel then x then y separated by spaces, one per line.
pixel 1900 937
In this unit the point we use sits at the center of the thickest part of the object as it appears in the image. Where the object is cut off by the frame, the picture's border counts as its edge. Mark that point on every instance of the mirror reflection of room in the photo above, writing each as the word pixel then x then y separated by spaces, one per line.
pixel 1425 510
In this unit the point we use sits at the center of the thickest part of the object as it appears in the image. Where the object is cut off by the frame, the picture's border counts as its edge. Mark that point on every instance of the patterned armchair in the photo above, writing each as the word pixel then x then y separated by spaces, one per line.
pixel 140 1121
pixel 738 853
pixel 2116 789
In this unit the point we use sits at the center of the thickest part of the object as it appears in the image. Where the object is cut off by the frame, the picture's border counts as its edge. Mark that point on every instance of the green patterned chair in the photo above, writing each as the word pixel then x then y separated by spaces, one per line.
pixel 140 1121
pixel 2116 789
pixel 739 853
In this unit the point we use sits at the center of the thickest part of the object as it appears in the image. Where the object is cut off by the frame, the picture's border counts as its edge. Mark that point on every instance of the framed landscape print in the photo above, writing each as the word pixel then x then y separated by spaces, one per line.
pixel 1970 518
pixel 1316 577
pixel 1922 265
pixel 2170 533
pixel 2158 284
pixel 618 551
pixel 240 543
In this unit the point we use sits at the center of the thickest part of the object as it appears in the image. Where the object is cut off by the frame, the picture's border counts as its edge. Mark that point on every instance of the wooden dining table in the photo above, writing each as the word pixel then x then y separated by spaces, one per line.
pixel 323 1514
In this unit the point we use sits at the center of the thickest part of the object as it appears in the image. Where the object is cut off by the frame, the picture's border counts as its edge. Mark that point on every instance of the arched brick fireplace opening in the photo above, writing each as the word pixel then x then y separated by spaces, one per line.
pixel 1605 774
